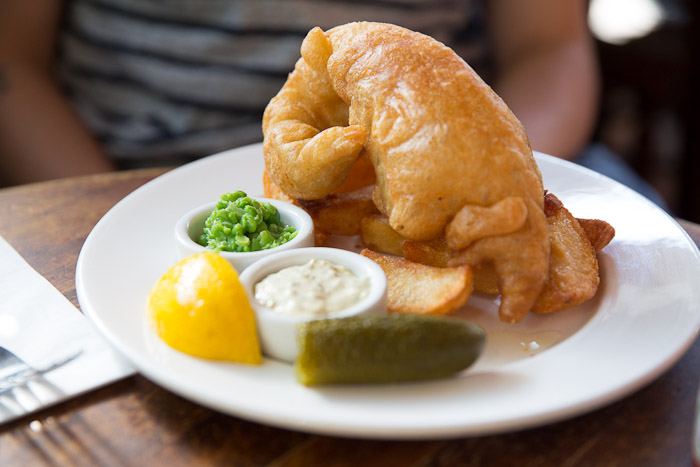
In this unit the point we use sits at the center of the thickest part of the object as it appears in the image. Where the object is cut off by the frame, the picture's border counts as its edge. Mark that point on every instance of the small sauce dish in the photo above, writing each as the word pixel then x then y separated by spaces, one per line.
pixel 278 331
pixel 190 227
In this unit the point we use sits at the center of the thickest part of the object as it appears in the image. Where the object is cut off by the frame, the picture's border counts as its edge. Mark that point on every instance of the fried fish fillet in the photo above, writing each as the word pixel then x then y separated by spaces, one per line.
pixel 449 156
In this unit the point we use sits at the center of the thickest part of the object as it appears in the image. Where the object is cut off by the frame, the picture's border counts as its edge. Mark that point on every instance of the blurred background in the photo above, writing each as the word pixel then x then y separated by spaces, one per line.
pixel 649 111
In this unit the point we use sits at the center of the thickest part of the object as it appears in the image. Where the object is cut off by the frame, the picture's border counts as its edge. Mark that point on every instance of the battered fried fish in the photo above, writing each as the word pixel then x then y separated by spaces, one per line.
pixel 449 156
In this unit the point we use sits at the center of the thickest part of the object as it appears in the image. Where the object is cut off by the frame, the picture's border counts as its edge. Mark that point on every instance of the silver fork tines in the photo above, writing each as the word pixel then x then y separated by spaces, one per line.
pixel 15 372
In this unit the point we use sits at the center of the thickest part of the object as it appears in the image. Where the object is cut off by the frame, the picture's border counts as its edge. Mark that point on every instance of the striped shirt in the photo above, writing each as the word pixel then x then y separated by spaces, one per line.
pixel 166 81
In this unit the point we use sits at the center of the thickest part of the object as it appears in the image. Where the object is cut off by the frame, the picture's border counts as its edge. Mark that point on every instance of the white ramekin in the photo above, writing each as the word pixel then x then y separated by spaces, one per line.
pixel 190 227
pixel 278 331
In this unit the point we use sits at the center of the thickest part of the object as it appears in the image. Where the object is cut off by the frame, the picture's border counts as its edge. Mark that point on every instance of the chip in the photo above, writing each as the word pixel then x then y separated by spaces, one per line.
pixel 598 232
pixel 341 213
pixel 573 265
pixel 417 288
pixel 378 235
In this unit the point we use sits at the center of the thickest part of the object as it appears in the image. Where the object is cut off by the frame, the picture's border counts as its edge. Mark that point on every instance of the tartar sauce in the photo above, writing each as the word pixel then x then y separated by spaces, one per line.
pixel 318 288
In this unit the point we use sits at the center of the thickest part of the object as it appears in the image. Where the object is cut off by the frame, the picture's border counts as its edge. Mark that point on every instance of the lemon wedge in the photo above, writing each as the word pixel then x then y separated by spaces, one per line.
pixel 199 307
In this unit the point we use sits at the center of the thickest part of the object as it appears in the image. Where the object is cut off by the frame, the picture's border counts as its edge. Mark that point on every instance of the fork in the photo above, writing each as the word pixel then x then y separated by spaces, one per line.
pixel 15 372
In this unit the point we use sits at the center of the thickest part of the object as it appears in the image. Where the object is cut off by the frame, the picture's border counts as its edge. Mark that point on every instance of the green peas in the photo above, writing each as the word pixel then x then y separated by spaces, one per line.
pixel 239 223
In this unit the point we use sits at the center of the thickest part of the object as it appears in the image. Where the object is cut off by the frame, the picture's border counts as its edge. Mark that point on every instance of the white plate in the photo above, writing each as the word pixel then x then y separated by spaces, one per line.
pixel 644 317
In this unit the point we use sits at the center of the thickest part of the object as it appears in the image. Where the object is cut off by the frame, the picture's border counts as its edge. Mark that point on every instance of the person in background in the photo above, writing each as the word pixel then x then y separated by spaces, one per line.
pixel 92 85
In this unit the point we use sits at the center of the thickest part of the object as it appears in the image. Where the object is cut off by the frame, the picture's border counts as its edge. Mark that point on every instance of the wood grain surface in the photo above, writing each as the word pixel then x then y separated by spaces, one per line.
pixel 134 422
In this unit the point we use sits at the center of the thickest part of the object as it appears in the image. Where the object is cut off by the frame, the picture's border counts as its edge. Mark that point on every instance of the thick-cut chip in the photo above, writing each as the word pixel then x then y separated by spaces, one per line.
pixel 320 238
pixel 271 190
pixel 361 175
pixel 378 235
pixel 598 232
pixel 552 204
pixel 341 213
pixel 573 266
pixel 417 288
pixel 435 253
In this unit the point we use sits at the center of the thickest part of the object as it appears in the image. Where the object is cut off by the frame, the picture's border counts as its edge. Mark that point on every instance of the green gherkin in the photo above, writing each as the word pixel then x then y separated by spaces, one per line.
pixel 384 349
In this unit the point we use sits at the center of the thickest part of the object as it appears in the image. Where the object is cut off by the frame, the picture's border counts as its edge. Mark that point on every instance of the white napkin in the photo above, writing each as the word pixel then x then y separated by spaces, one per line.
pixel 40 326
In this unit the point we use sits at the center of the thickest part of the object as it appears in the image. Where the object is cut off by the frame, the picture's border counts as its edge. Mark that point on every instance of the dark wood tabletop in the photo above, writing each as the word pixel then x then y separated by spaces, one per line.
pixel 135 422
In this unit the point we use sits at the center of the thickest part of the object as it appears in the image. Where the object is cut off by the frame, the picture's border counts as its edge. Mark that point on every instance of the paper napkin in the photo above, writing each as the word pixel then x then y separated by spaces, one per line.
pixel 40 326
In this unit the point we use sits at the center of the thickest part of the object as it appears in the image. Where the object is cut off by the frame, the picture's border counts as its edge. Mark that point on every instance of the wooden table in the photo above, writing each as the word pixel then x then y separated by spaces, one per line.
pixel 135 422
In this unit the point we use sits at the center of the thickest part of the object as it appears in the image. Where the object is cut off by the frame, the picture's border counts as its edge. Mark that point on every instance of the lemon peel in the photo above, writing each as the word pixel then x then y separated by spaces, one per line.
pixel 199 307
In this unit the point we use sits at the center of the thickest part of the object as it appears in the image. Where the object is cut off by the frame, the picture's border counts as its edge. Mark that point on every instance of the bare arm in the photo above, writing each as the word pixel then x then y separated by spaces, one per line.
pixel 40 136
pixel 547 70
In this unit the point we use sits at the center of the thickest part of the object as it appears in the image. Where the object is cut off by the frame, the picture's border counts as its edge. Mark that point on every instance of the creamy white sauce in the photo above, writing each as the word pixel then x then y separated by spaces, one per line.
pixel 318 289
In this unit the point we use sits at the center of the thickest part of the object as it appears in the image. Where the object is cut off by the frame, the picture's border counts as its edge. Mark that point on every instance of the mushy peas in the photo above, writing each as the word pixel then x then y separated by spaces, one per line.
pixel 239 223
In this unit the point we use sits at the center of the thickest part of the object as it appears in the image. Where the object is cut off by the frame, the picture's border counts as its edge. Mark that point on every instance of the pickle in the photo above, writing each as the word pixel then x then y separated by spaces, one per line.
pixel 385 349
